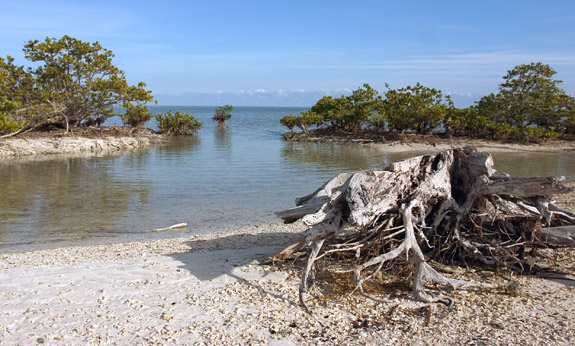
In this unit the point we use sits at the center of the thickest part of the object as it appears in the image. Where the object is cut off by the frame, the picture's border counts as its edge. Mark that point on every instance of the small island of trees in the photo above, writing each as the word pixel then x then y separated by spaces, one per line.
pixel 222 114
pixel 72 84
pixel 529 107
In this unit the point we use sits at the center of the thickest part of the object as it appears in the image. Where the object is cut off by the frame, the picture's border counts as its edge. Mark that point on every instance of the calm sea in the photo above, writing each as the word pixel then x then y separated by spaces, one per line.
pixel 216 181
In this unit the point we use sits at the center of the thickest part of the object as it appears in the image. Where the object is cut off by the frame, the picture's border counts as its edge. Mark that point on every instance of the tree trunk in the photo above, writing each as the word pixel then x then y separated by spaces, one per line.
pixel 451 207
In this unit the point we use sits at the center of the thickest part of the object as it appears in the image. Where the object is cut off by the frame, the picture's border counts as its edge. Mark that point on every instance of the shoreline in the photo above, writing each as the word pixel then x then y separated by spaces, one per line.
pixel 480 145
pixel 78 145
pixel 434 143
pixel 86 142
pixel 213 289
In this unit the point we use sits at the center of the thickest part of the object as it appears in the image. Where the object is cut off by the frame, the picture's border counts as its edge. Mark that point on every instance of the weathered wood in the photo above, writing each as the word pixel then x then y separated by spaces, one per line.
pixel 313 203
pixel 560 235
pixel 451 206
pixel 176 226
pixel 526 187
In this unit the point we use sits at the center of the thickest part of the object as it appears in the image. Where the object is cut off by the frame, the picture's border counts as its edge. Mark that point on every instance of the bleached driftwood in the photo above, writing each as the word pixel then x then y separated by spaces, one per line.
pixel 176 226
pixel 451 207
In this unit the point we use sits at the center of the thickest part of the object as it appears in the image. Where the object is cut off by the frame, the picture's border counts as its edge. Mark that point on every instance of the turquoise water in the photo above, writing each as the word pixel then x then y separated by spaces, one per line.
pixel 216 181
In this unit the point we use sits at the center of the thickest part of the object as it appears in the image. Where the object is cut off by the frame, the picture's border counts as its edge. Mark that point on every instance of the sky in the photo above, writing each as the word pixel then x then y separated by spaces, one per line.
pixel 290 53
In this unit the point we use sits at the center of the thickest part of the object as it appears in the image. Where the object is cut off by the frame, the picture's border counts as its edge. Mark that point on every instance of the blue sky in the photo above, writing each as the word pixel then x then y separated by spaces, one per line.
pixel 293 52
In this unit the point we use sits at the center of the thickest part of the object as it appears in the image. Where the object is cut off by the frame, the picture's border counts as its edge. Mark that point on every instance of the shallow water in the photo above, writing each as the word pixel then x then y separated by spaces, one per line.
pixel 216 181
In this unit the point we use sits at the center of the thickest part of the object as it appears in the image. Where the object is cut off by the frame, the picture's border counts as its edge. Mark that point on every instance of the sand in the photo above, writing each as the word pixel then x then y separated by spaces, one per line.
pixel 480 145
pixel 214 290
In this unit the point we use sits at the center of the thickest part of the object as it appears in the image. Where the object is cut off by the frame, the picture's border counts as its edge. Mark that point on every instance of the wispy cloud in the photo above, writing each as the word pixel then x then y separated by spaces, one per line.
pixel 251 97
pixel 472 73
pixel 473 62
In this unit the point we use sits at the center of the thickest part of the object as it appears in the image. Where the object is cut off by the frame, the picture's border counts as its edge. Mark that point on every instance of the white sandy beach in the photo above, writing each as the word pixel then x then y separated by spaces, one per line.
pixel 212 290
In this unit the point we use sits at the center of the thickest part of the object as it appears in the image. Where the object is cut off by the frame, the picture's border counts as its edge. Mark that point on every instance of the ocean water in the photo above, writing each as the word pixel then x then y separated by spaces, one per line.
pixel 215 181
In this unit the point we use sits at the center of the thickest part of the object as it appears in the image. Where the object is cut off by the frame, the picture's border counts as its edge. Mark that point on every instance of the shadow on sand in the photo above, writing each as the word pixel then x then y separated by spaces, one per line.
pixel 219 259
pixel 210 259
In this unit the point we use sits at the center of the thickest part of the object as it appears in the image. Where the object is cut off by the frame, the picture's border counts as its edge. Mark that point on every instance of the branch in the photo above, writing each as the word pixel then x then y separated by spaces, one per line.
pixel 561 235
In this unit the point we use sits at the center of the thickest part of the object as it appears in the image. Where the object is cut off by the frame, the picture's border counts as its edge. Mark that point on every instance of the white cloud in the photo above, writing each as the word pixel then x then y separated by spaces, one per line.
pixel 255 97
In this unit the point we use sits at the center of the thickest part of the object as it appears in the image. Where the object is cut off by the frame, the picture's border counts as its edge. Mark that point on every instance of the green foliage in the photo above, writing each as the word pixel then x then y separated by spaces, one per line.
pixel 332 110
pixel 364 105
pixel 537 134
pixel 224 110
pixel 16 90
pixel 529 96
pixel 466 122
pixel 289 121
pixel 412 108
pixel 304 121
pixel 416 108
pixel 352 112
pixel 528 107
pixel 179 123
pixel 308 119
pixel 136 115
pixel 222 114
pixel 568 122
pixel 9 125
pixel 72 82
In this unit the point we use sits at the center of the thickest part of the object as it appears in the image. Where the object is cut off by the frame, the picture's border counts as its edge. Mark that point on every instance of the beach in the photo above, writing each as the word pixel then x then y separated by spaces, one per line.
pixel 215 290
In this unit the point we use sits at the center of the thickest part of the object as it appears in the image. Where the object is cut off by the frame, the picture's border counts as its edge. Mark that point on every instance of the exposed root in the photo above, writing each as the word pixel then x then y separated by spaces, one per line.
pixel 451 207
pixel 315 247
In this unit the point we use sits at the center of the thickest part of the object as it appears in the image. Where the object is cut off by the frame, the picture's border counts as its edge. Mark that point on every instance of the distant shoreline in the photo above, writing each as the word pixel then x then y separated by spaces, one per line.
pixel 432 143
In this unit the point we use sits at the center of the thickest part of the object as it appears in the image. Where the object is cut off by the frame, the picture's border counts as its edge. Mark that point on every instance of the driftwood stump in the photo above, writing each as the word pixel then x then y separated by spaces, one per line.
pixel 452 207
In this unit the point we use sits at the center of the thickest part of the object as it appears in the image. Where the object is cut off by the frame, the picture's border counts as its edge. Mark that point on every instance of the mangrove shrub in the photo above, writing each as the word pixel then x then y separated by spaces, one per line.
pixel 222 115
pixel 179 123
pixel 419 108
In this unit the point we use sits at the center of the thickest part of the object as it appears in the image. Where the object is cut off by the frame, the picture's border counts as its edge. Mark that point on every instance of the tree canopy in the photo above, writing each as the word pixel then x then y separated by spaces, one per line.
pixel 71 82
pixel 15 86
pixel 416 108
pixel 222 114
pixel 348 113
pixel 530 106
pixel 529 96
